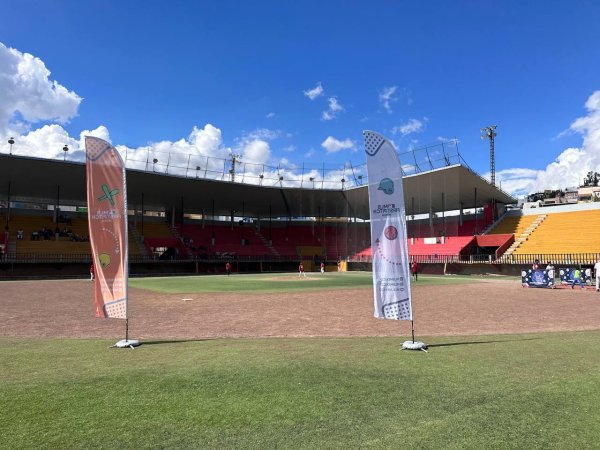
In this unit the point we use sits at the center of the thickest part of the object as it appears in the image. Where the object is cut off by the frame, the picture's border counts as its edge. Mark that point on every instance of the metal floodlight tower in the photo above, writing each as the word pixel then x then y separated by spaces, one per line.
pixel 490 133
pixel 234 158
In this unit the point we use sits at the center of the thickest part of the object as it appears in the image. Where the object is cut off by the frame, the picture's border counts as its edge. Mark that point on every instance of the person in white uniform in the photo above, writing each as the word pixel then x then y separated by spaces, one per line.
pixel 597 275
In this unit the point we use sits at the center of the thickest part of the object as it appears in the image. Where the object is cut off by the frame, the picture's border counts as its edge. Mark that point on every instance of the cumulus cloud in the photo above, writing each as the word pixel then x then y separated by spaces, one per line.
pixel 256 152
pixel 333 145
pixel 28 96
pixel 410 126
pixel 334 109
pixel 387 97
pixel 315 92
pixel 570 166
pixel 270 115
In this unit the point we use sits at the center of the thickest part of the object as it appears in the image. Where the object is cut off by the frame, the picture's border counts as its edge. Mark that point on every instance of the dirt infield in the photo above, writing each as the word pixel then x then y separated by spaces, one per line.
pixel 64 309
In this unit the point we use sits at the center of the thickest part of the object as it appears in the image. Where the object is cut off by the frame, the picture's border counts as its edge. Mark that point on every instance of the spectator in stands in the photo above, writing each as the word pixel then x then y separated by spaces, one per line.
pixel 20 234
pixel 577 278
pixel 301 272
pixel 228 268
pixel 597 275
pixel 414 268
pixel 536 264
pixel 550 269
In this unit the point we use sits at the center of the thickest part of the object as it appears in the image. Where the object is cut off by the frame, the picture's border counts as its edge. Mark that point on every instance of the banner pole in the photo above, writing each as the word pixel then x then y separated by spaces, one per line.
pixel 127 330
pixel 412 329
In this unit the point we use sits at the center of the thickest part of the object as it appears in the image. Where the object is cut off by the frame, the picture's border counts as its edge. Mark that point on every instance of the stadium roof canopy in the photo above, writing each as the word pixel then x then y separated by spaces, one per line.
pixel 28 179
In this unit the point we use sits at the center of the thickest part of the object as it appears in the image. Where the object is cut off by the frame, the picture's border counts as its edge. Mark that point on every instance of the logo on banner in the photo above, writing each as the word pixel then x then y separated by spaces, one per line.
pixel 390 232
pixel 105 259
pixel 109 194
pixel 387 186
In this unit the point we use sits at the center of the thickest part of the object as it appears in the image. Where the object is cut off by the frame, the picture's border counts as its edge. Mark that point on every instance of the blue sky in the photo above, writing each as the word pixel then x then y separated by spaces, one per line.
pixel 418 72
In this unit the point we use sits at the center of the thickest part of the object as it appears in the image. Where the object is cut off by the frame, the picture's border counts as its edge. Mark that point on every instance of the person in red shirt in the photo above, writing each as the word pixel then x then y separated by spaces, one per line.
pixel 301 270
pixel 414 268
pixel 322 267
pixel 228 268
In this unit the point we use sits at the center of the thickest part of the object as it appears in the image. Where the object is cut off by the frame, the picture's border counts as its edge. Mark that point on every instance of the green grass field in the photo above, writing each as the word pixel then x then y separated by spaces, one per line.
pixel 521 391
pixel 274 282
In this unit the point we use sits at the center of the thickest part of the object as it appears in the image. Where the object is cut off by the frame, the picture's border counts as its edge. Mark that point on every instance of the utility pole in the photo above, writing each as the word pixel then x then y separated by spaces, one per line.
pixel 490 133
pixel 234 158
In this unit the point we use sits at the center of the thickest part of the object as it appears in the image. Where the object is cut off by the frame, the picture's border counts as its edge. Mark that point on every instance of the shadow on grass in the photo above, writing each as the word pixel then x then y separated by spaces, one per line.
pixel 173 341
pixel 450 344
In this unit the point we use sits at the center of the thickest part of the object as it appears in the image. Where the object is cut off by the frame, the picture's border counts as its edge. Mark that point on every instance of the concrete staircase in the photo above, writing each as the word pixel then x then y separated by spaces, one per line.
pixel 11 248
pixel 524 235
pixel 137 238
pixel 266 242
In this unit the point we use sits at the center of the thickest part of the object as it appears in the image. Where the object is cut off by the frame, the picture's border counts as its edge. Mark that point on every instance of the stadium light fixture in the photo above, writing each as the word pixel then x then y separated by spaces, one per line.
pixel 154 161
pixel 11 141
pixel 490 133
pixel 313 181
pixel 343 180
pixel 65 150
pixel 197 170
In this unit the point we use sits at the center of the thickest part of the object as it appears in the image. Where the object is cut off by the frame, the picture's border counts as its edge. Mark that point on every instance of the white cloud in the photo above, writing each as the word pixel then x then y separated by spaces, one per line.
pixel 335 107
pixel 256 152
pixel 264 134
pixel 387 97
pixel 270 115
pixel 570 166
pixel 333 145
pixel 28 96
pixel 410 126
pixel 289 149
pixel 315 92
pixel 310 153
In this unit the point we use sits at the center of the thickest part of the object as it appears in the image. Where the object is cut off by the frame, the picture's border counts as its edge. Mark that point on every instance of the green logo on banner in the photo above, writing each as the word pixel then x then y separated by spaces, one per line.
pixel 108 194
pixel 387 186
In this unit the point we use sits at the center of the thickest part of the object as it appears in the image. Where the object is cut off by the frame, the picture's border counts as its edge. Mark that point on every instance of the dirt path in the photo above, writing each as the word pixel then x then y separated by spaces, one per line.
pixel 64 309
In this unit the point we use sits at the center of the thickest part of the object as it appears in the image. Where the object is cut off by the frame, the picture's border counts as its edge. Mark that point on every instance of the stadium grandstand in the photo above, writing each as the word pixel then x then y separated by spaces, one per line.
pixel 183 219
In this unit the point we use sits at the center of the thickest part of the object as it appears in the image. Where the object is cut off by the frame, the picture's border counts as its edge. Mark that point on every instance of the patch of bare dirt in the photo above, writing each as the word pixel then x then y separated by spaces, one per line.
pixel 64 309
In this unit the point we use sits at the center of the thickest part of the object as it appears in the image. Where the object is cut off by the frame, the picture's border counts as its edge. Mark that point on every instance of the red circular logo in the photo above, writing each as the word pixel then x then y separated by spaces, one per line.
pixel 390 233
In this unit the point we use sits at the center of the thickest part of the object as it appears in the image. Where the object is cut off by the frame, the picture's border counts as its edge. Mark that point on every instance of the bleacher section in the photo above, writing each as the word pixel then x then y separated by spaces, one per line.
pixel 513 225
pixel 564 233
pixel 159 235
pixel 72 236
pixel 241 240
pixel 456 241
pixel 453 246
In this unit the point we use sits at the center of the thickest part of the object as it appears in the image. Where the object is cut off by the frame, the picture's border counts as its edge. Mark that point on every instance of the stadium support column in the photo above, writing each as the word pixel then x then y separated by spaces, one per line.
pixel 412 212
pixel 8 205
pixel 182 213
pixel 212 238
pixel 476 222
pixel 444 216
pixel 270 227
pixel 142 215
pixel 56 207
